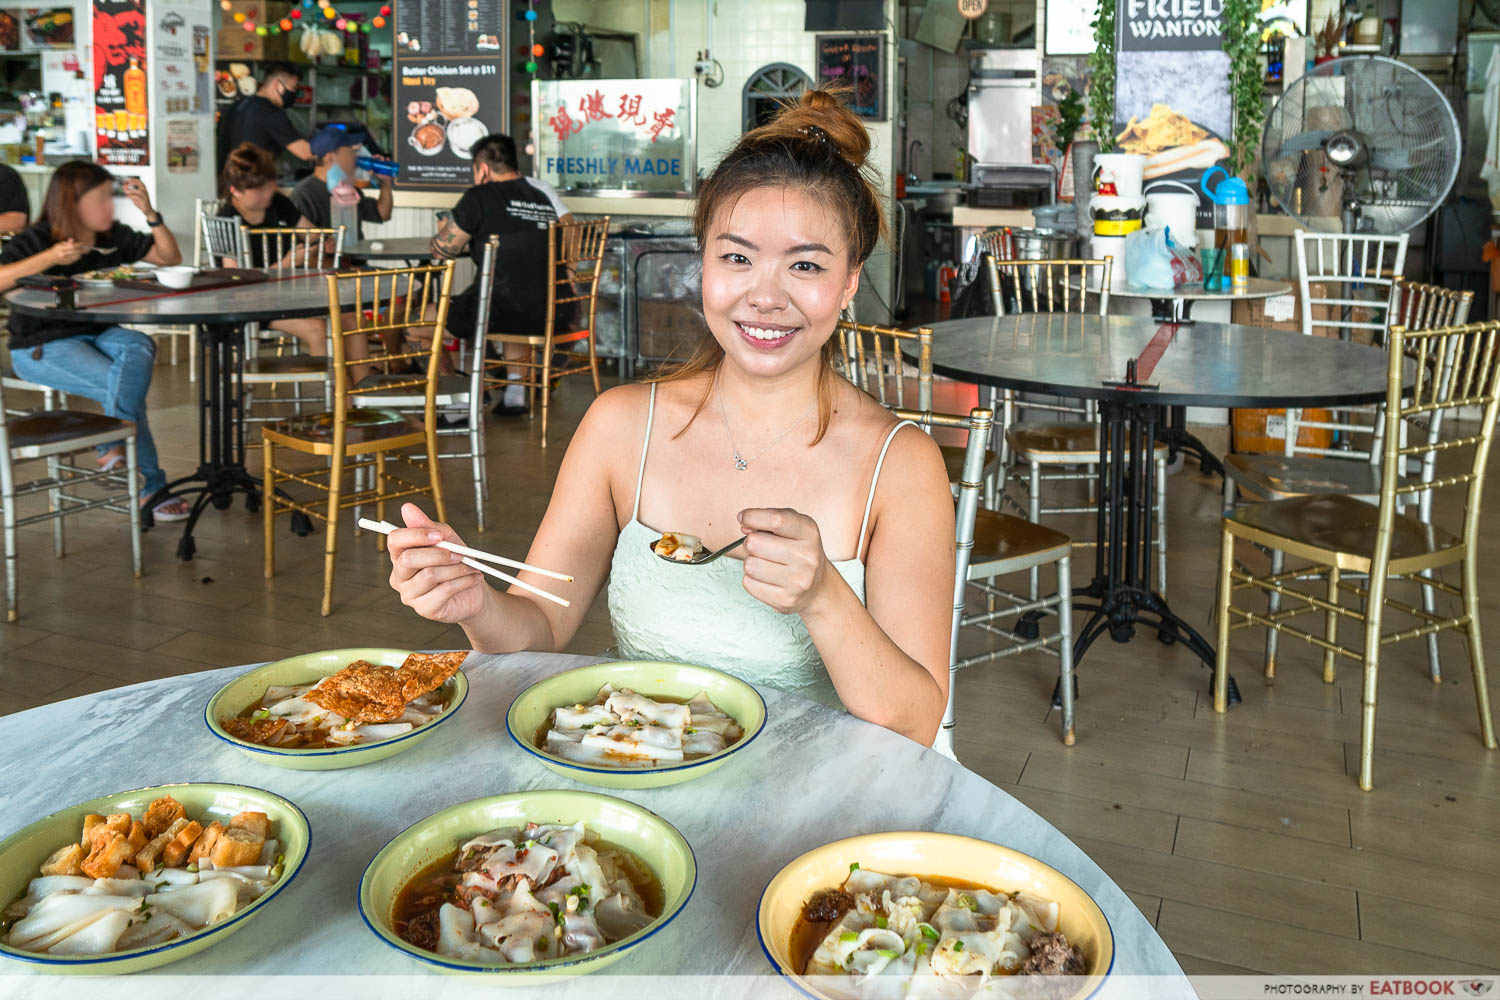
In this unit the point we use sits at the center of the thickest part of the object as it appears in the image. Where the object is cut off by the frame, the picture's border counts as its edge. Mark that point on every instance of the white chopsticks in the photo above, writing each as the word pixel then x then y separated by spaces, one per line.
pixel 472 557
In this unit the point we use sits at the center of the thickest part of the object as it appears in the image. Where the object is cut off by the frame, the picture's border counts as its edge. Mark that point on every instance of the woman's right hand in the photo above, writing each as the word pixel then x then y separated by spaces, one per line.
pixel 433 582
pixel 65 252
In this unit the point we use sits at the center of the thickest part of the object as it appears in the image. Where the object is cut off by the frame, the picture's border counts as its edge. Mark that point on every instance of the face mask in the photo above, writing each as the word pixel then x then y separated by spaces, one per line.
pixel 336 176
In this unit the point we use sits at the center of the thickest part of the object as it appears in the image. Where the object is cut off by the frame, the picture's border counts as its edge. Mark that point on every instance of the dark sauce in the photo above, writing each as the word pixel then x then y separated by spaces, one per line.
pixel 316 741
pixel 434 885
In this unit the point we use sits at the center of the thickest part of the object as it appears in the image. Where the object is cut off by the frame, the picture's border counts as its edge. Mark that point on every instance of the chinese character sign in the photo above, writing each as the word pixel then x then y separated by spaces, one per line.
pixel 616 135
pixel 120 117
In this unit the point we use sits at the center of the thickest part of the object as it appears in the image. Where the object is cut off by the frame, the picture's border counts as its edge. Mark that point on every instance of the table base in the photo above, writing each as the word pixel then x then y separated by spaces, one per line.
pixel 221 472
pixel 1179 440
pixel 1121 594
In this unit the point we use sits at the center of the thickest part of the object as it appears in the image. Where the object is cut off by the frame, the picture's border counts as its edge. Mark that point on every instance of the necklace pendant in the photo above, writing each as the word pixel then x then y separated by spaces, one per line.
pixel 740 463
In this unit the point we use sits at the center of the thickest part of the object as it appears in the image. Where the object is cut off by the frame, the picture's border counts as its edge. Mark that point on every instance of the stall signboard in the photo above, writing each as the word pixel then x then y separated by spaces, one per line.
pixel 855 65
pixel 450 88
pixel 632 137
pixel 121 122
pixel 1172 102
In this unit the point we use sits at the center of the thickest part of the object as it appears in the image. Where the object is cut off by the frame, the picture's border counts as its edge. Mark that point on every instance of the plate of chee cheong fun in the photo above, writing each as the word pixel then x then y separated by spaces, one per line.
pixel 636 723
pixel 137 879
pixel 338 708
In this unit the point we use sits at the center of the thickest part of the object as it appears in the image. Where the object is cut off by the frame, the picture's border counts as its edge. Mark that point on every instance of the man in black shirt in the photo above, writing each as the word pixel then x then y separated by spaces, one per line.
pixel 262 119
pixel 333 147
pixel 15 207
pixel 501 203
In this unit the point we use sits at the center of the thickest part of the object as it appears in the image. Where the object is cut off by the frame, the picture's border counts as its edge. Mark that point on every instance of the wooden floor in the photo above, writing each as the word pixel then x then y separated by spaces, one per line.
pixel 1243 838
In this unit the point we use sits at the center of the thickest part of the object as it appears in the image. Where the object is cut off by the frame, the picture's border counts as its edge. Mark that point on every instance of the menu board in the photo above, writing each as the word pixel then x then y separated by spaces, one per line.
pixel 449 88
pixel 120 81
pixel 1180 129
pixel 616 135
pixel 856 64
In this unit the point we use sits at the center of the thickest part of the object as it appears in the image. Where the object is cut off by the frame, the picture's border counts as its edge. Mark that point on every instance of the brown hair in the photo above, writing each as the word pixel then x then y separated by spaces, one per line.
pixel 817 145
pixel 247 166
pixel 71 182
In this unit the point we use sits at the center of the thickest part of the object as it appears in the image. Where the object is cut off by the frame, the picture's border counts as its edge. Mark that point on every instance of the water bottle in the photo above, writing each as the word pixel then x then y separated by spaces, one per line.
pixel 344 211
pixel 382 168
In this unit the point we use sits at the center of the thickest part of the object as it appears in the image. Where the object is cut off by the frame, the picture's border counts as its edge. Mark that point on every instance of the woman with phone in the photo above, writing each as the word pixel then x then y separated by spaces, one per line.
pixel 112 365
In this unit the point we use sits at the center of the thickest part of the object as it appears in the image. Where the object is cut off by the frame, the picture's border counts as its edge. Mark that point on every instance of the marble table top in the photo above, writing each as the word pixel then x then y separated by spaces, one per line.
pixel 279 298
pixel 1204 364
pixel 418 248
pixel 788 792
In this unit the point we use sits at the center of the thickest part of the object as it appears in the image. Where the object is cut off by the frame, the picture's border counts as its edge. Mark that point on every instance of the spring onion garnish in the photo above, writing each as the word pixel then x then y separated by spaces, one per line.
pixel 968 902
pixel 929 931
pixel 880 921
pixel 849 936
pixel 921 947
pixel 958 946
pixel 193 869
pixel 888 953
pixel 854 866
pixel 261 713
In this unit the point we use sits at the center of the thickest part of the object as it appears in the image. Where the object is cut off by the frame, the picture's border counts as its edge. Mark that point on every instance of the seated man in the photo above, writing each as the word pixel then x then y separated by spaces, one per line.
pixel 502 203
pixel 15 207
pixel 333 149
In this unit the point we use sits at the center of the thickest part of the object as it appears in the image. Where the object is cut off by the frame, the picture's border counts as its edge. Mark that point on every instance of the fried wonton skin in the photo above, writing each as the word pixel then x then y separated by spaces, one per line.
pixel 262 731
pixel 424 672
pixel 363 692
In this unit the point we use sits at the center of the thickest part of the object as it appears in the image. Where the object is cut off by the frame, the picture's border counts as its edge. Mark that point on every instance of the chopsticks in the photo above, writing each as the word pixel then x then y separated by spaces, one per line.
pixel 472 558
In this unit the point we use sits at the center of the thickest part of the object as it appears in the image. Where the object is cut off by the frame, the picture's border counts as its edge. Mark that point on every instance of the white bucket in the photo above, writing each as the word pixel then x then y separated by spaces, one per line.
pixel 1119 174
pixel 1176 210
pixel 1110 246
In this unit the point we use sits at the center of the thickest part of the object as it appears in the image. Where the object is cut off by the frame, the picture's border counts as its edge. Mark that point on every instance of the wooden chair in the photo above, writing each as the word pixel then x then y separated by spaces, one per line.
pixel 1340 535
pixel 1307 466
pixel 1069 450
pixel 458 392
pixel 54 436
pixel 575 253
pixel 355 438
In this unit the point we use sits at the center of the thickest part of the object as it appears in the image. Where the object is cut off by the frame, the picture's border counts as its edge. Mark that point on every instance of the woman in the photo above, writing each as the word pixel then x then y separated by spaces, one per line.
pixel 248 189
pixel 109 364
pixel 846 578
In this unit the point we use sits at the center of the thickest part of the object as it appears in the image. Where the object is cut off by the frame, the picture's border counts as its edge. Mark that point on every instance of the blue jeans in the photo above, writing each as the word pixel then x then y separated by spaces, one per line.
pixel 113 368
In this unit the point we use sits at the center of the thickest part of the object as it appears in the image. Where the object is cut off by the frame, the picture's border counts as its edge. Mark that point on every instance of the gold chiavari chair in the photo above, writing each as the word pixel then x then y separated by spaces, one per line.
pixel 575 255
pixel 1342 536
pixel 353 438
pixel 456 392
pixel 870 357
pixel 1354 469
pixel 286 251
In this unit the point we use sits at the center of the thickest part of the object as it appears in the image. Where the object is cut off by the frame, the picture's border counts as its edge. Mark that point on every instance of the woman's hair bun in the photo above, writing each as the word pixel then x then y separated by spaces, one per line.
pixel 821 116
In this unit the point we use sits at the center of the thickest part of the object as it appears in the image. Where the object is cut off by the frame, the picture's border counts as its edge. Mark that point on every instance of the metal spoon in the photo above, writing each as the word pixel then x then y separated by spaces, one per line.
pixel 699 560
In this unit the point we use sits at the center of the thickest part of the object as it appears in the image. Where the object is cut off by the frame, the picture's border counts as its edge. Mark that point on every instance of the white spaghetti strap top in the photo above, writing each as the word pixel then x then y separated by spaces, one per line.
pixel 702 614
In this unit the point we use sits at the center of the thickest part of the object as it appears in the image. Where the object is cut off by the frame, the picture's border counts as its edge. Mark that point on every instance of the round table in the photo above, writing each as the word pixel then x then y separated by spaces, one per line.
pixel 1175 305
pixel 1136 368
pixel 788 792
pixel 222 313
pixel 396 248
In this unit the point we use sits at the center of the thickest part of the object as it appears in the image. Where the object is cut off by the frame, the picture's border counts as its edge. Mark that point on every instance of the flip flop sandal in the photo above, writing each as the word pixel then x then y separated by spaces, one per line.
pixel 161 513
pixel 115 464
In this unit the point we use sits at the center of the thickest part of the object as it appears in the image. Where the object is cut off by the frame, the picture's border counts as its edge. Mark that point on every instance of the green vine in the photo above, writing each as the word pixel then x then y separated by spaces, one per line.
pixel 1102 76
pixel 1242 29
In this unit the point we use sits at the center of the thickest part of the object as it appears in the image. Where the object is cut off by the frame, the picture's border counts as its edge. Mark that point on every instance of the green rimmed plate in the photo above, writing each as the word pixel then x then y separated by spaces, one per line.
pixel 638 830
pixel 651 678
pixel 22 854
pixel 248 688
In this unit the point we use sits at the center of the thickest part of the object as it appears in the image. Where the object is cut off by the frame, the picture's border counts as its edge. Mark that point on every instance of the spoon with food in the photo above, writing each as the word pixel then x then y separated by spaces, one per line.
pixel 676 546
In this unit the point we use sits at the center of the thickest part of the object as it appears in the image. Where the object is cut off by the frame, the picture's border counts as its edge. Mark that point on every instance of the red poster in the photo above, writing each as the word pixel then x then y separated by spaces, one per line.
pixel 120 83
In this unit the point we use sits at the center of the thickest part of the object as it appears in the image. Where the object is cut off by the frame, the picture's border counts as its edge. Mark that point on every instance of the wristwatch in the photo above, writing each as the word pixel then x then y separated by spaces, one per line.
pixel 158 221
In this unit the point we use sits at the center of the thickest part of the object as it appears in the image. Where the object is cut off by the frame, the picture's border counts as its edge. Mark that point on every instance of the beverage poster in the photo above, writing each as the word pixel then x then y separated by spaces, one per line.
pixel 450 88
pixel 120 118
pixel 1172 102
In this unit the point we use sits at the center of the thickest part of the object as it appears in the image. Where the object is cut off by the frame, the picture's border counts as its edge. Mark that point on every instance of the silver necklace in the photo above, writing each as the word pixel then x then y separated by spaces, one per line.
pixel 741 463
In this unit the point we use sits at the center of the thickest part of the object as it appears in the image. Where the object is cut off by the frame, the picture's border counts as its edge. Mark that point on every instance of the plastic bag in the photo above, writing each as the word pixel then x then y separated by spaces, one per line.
pixel 1152 260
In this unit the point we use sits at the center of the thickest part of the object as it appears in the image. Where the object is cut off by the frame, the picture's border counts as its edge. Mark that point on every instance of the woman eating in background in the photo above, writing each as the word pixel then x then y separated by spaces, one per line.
pixel 112 365
pixel 248 189
pixel 844 590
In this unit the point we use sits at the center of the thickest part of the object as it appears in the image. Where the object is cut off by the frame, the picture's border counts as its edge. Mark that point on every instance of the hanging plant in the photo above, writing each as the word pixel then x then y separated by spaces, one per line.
pixel 1102 77
pixel 1241 34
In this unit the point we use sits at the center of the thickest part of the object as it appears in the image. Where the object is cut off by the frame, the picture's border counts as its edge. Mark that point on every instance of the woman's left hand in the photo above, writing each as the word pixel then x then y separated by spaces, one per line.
pixel 136 192
pixel 785 567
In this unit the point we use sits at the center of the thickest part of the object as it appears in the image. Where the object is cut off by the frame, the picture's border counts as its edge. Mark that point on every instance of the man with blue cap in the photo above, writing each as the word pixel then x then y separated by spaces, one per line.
pixel 333 149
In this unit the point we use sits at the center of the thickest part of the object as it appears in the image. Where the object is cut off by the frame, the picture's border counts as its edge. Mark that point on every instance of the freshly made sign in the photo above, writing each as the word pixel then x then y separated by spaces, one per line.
pixel 615 135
